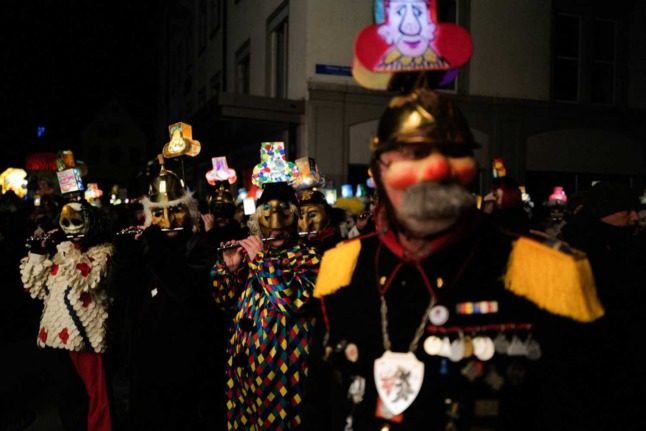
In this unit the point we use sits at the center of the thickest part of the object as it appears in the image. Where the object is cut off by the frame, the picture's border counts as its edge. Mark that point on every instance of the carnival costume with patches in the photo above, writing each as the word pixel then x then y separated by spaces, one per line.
pixel 270 336
pixel 72 285
pixel 161 287
pixel 470 329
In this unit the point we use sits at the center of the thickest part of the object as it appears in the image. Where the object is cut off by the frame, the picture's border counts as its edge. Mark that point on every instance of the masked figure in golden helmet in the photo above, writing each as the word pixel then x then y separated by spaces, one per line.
pixel 161 281
pixel 169 206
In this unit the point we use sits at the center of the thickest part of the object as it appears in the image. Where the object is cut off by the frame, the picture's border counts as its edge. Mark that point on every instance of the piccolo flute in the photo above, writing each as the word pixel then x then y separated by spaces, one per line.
pixel 135 230
pixel 270 238
pixel 47 235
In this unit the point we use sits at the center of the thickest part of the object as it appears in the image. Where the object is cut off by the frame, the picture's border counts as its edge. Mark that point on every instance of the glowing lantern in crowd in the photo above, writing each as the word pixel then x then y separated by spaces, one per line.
pixel 220 172
pixel 181 142
pixel 558 197
pixel 93 193
pixel 273 166
pixel 384 48
pixel 14 179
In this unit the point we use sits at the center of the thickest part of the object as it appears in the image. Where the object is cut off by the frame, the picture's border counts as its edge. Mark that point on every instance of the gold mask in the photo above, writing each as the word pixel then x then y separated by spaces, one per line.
pixel 170 217
pixel 313 218
pixel 276 215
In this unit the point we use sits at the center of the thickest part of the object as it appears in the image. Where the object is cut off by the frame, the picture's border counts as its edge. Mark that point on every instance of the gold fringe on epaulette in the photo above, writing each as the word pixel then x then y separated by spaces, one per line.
pixel 559 282
pixel 337 267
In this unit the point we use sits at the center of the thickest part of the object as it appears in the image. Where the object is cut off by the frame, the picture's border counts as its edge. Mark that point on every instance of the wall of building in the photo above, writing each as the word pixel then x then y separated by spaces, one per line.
pixel 511 56
pixel 330 37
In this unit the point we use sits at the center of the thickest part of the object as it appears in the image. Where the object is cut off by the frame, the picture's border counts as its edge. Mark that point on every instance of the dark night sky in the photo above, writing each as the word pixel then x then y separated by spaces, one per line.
pixel 62 60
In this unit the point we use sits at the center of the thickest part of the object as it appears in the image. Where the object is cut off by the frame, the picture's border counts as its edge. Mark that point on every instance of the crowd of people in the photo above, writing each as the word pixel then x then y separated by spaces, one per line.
pixel 429 313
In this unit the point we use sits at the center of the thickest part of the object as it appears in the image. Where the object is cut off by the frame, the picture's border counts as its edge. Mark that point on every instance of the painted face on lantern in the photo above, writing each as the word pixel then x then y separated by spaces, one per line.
pixel 409 27
pixel 74 220
pixel 425 185
pixel 276 219
pixel 173 217
pixel 313 218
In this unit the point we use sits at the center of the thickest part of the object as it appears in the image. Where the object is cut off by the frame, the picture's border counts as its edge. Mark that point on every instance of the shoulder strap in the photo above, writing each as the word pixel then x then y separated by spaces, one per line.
pixel 337 267
pixel 557 279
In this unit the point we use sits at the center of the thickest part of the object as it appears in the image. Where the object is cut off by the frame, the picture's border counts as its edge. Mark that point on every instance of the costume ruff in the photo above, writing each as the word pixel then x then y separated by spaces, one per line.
pixel 394 60
pixel 71 288
pixel 269 345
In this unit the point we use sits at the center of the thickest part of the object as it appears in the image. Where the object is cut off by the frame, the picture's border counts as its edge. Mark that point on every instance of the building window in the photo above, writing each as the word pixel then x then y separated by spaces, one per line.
pixel 584 62
pixel 242 72
pixel 278 40
pixel 567 57
pixel 201 26
pixel 215 84
pixel 602 78
pixel 215 16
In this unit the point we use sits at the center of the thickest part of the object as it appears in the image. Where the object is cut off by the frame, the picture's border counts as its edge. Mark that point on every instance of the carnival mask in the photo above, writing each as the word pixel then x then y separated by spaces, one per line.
pixel 313 218
pixel 276 215
pixel 171 217
pixel 74 219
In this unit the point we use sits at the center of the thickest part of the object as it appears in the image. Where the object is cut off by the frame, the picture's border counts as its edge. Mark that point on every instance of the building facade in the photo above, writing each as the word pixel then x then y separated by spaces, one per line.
pixel 556 87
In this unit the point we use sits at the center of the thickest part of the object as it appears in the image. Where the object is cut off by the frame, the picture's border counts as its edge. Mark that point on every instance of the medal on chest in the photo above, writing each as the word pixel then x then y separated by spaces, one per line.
pixel 398 378
pixel 399 375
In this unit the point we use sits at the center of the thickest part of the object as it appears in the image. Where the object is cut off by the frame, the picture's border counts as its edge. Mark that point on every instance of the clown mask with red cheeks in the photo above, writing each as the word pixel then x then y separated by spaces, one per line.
pixel 423 156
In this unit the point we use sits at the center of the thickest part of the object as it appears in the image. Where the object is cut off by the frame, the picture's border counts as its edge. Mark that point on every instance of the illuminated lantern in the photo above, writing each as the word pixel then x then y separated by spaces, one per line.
pixel 220 172
pixel 499 169
pixel 406 37
pixel 14 179
pixel 93 192
pixel 181 142
pixel 69 174
pixel 41 162
pixel 558 197
pixel 273 166
pixel 308 174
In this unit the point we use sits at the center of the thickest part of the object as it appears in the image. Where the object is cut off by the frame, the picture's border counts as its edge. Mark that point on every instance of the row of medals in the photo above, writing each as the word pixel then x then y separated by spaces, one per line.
pixel 481 345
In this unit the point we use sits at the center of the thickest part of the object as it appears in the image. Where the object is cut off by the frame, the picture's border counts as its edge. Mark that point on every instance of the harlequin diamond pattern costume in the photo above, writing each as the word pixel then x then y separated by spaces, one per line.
pixel 270 338
pixel 268 281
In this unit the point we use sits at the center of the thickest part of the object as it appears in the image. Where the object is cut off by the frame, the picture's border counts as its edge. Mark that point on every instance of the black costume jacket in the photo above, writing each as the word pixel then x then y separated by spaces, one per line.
pixel 507 392
pixel 166 329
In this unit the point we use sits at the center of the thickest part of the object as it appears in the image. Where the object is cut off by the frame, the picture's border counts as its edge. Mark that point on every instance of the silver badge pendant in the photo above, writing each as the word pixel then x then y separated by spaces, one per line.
pixel 398 378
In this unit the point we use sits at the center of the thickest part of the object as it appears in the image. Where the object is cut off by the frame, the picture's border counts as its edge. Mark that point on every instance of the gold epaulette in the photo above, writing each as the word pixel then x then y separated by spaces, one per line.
pixel 337 267
pixel 557 279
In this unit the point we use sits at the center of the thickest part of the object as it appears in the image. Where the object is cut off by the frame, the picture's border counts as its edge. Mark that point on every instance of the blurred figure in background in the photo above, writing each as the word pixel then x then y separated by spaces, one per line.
pixel 505 205
pixel 604 226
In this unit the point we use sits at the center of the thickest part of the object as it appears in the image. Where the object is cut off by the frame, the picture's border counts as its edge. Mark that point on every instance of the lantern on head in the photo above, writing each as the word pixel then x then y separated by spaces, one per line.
pixel 277 206
pixel 181 142
pixel 407 37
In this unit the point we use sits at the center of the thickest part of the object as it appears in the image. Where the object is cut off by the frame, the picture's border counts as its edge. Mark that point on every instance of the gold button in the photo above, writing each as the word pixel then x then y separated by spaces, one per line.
pixel 382 280
pixel 439 282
